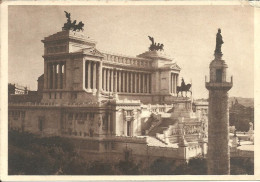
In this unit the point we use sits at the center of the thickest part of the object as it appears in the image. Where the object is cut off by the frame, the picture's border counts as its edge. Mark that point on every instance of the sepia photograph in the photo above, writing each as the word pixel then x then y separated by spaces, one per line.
pixel 123 89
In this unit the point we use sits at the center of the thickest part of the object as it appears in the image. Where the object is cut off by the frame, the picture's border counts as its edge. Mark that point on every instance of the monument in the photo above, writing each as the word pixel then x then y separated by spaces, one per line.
pixel 218 116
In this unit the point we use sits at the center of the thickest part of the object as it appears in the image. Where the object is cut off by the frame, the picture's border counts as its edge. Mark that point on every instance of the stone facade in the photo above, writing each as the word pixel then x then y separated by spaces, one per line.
pixel 110 105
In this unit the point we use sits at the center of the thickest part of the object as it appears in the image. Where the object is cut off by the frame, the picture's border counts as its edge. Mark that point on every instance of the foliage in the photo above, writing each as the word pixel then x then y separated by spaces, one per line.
pixel 29 154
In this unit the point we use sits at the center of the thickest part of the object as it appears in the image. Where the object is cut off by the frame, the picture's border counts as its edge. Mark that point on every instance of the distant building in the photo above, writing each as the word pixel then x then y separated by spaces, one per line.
pixel 241 116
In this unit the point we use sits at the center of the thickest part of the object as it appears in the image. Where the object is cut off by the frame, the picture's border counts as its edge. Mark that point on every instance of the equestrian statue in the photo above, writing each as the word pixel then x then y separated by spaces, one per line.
pixel 183 88
pixel 72 26
pixel 154 46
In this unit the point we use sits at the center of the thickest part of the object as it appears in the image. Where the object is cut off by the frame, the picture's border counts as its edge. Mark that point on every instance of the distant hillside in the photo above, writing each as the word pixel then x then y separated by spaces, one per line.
pixel 248 102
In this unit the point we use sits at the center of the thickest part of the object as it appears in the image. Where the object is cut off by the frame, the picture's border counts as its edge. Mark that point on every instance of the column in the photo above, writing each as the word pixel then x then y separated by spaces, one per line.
pixel 136 83
pixel 143 82
pixel 119 82
pixel 53 76
pixel 123 77
pixel 59 75
pixel 100 81
pixel 45 75
pixel 103 79
pixel 127 81
pixel 140 84
pixel 108 80
pixel 94 75
pixel 49 75
pixel 112 80
pixel 147 83
pixel 131 82
pixel 89 75
pixel 64 75
pixel 176 83
pixel 115 88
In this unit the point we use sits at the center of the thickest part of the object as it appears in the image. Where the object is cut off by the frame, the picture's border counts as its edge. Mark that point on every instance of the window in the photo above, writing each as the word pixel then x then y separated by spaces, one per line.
pixel 219 75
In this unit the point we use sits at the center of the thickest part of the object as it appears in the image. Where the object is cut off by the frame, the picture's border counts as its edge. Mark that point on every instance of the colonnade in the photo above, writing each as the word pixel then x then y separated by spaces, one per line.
pixel 56 72
pixel 92 74
pixel 174 82
pixel 114 80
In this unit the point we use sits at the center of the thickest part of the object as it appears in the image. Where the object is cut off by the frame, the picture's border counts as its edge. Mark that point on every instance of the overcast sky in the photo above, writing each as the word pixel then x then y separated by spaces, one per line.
pixel 187 32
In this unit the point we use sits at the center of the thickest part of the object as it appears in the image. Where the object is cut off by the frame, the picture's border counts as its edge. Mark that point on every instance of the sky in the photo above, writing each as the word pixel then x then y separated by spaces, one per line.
pixel 187 32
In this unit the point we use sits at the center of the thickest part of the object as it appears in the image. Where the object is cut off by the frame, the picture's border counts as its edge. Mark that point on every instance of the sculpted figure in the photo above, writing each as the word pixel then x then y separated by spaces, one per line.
pixel 155 46
pixel 219 42
pixel 72 26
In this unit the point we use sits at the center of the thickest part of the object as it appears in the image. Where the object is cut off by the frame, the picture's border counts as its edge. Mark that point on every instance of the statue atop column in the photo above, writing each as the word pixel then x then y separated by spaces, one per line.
pixel 219 43
pixel 154 46
pixel 72 26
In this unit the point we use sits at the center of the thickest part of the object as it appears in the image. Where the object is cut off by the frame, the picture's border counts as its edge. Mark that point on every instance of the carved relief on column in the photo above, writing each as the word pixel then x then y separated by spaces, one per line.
pixel 131 82
pixel 105 79
pixel 136 83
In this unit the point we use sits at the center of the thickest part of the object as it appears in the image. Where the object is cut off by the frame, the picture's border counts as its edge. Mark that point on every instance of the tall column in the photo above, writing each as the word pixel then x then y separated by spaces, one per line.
pixel 119 82
pixel 59 75
pixel 99 85
pixel 127 81
pixel 176 83
pixel 115 76
pixel 94 75
pixel 54 76
pixel 49 75
pixel 89 75
pixel 139 82
pixel 108 80
pixel 143 83
pixel 112 80
pixel 64 75
pixel 123 78
pixel 136 83
pixel 45 75
pixel 147 83
pixel 131 82
pixel 103 79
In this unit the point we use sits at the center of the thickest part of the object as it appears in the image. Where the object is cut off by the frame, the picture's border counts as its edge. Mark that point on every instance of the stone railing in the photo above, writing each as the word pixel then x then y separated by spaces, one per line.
pixel 130 139
pixel 83 104
pixel 122 59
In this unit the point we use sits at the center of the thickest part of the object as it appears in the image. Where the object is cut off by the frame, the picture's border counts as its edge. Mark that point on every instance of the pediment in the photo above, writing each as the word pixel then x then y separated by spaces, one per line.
pixel 93 52
pixel 175 67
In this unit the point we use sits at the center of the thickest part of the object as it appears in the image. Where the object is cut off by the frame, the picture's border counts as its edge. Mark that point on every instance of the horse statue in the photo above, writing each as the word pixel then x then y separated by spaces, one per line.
pixel 184 88
pixel 155 46
pixel 72 25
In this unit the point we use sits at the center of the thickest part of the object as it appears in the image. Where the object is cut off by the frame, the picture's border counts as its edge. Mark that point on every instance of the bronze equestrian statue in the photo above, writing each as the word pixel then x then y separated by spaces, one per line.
pixel 183 88
pixel 72 26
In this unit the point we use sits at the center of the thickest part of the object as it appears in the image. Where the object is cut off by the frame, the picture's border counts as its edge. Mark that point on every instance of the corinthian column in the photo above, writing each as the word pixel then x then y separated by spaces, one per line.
pixel 123 77
pixel 54 76
pixel 119 82
pixel 112 80
pixel 89 75
pixel 115 88
pixel 99 77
